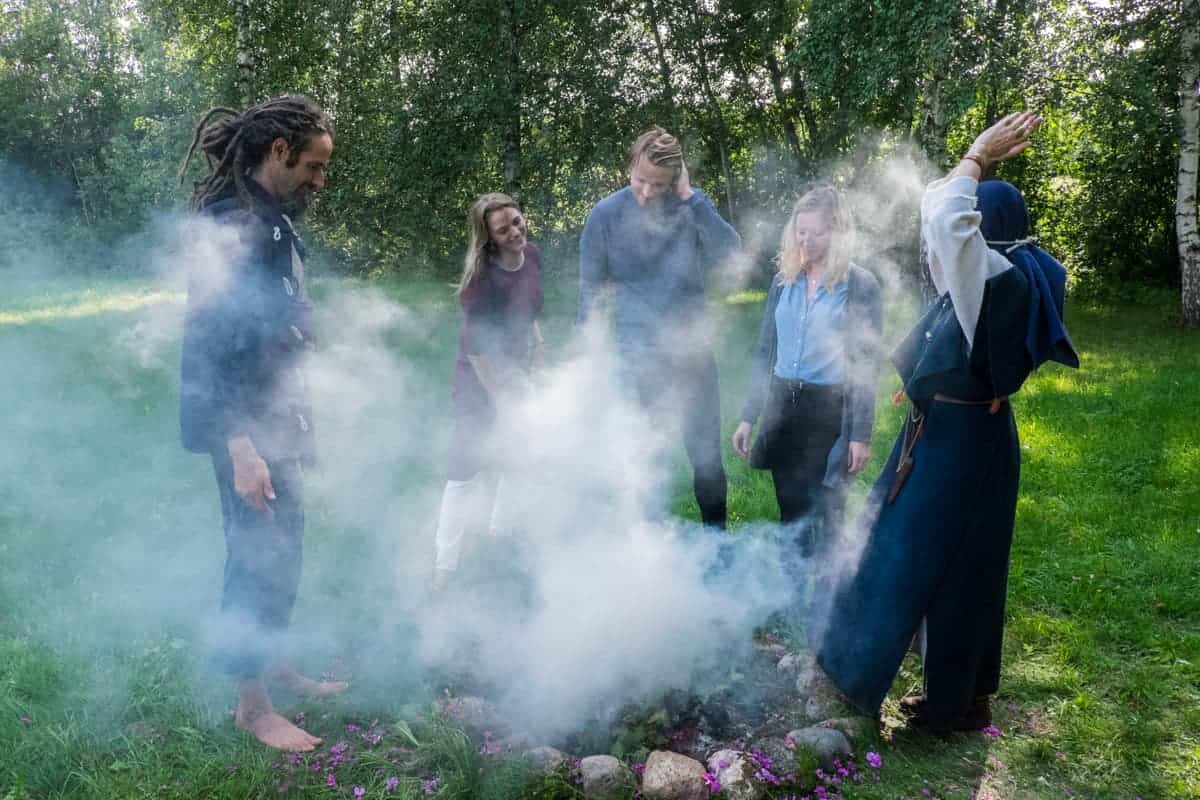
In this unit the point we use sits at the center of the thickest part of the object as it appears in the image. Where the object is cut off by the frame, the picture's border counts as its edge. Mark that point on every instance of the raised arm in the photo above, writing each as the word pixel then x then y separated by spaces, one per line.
pixel 960 262
pixel 718 240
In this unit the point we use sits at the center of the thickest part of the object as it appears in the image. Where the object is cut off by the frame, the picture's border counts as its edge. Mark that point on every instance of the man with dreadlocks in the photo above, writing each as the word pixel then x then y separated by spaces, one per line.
pixel 244 400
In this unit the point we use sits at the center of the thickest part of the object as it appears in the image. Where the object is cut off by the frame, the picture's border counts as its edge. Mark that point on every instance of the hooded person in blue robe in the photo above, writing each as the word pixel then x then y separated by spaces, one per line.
pixel 938 524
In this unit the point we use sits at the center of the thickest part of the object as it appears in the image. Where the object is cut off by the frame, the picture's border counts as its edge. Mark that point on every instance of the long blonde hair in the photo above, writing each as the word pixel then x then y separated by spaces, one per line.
pixel 479 245
pixel 826 200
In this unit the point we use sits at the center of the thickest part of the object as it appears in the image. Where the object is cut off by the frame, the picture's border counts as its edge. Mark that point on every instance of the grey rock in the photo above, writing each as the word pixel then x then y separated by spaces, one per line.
pixel 824 743
pixel 671 776
pixel 853 727
pixel 605 777
pixel 474 714
pixel 772 650
pixel 546 759
pixel 822 706
pixel 808 679
pixel 795 662
pixel 735 772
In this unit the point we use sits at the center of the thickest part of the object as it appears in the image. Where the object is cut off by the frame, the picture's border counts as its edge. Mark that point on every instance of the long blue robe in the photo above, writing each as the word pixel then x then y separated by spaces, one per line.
pixel 940 551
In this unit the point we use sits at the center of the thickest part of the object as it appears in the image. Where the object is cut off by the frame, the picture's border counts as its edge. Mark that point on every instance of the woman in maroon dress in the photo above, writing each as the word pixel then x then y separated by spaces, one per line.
pixel 501 296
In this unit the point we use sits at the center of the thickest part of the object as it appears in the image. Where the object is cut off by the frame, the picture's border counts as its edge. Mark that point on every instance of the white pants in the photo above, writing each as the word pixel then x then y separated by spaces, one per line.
pixel 464 504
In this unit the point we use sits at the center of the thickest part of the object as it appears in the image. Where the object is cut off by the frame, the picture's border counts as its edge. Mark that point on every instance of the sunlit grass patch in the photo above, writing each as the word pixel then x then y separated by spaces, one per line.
pixel 92 302
pixel 1100 693
pixel 749 297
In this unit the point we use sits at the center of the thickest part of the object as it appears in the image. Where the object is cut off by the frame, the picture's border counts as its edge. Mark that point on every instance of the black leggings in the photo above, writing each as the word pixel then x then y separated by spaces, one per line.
pixel 809 421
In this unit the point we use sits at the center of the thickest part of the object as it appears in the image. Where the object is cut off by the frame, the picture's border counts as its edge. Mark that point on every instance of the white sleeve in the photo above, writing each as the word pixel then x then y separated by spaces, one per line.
pixel 960 262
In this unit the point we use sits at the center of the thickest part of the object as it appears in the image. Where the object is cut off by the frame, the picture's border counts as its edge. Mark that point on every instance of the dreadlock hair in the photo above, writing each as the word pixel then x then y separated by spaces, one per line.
pixel 237 142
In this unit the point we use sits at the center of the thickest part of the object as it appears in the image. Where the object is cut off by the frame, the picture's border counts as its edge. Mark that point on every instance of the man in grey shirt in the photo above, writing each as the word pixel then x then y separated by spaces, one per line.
pixel 656 241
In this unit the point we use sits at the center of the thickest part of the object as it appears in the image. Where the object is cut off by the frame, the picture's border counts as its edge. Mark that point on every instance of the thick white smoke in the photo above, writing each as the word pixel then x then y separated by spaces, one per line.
pixel 595 602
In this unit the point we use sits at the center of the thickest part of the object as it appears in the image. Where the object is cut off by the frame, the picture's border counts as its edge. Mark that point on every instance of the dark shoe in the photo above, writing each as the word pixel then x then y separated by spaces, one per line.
pixel 912 706
pixel 916 710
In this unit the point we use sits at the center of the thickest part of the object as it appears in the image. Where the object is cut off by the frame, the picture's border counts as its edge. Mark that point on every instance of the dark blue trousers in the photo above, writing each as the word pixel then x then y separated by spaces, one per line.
pixel 667 384
pixel 263 560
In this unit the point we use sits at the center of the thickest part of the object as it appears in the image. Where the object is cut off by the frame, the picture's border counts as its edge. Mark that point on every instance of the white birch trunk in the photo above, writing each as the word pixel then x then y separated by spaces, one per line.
pixel 244 80
pixel 1187 229
pixel 934 125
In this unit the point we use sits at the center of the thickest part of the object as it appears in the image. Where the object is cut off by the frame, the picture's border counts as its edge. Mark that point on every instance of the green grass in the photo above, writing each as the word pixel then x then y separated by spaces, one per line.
pixel 1101 686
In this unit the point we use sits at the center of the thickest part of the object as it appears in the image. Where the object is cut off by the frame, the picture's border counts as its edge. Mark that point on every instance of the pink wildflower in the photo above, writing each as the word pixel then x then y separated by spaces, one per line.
pixel 874 760
pixel 331 779
pixel 991 730
pixel 359 791
pixel 711 782
pixel 392 783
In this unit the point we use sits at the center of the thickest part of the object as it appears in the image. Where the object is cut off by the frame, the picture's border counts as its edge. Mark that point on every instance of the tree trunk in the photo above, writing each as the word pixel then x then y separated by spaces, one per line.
pixel 244 80
pixel 796 102
pixel 1186 223
pixel 997 31
pixel 714 108
pixel 511 43
pixel 664 68
pixel 931 132
pixel 789 123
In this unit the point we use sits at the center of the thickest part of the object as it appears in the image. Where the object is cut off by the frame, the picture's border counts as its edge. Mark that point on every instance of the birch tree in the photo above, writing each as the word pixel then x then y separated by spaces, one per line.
pixel 1186 229
pixel 244 80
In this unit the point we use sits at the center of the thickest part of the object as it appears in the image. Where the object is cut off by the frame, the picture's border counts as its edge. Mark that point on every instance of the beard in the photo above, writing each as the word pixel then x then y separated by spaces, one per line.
pixel 295 203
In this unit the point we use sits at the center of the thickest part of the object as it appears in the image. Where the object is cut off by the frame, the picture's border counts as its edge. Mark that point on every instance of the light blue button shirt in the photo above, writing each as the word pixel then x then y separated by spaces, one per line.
pixel 811 334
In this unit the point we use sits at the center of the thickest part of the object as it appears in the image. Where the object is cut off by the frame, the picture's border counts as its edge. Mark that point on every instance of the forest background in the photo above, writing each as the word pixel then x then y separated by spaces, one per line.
pixel 440 100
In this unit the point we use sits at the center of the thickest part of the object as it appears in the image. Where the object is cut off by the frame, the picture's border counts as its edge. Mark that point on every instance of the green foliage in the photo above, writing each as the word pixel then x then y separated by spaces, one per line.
pixel 99 99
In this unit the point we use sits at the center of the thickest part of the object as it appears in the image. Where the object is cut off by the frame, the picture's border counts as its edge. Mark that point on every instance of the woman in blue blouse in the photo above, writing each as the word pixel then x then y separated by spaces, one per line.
pixel 814 370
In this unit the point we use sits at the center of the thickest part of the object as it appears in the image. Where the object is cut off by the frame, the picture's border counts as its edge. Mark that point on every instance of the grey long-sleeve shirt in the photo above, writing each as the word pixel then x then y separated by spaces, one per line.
pixel 657 259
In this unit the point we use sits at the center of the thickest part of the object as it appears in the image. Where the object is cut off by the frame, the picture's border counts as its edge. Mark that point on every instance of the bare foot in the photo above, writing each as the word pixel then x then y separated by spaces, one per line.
pixel 300 684
pixel 275 731
pixel 256 715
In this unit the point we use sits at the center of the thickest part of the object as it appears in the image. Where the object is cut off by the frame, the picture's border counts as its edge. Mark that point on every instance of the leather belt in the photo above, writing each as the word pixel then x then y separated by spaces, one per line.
pixel 914 426
pixel 941 398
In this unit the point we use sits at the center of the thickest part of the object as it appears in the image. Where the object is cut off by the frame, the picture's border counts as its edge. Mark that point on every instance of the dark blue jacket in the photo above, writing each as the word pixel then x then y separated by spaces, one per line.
pixel 246 333
pixel 865 327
